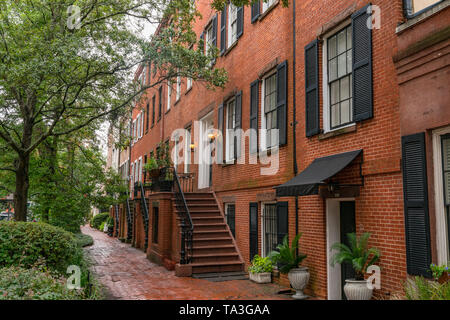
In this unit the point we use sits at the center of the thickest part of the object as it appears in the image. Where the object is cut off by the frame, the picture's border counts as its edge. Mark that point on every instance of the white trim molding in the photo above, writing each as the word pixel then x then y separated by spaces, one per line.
pixel 442 245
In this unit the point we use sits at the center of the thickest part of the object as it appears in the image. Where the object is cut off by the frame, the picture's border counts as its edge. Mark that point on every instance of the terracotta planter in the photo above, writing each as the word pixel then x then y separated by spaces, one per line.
pixel 357 290
pixel 299 277
pixel 444 278
pixel 263 277
pixel 154 173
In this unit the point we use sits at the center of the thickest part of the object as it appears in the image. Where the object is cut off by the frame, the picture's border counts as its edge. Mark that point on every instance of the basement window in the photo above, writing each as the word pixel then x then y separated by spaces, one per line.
pixel 155 224
pixel 230 216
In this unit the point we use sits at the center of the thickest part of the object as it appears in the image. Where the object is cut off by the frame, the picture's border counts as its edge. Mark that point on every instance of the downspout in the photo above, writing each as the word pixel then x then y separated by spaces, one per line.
pixel 294 123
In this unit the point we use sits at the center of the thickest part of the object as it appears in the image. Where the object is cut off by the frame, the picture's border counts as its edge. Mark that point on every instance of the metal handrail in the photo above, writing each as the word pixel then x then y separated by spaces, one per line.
pixel 129 220
pixel 187 226
pixel 145 211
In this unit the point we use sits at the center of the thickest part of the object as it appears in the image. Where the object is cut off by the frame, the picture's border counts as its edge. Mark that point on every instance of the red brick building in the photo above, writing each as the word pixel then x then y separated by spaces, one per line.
pixel 339 94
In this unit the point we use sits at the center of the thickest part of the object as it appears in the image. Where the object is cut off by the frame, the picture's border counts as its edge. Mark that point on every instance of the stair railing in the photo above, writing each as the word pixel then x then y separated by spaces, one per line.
pixel 186 225
pixel 144 212
pixel 129 220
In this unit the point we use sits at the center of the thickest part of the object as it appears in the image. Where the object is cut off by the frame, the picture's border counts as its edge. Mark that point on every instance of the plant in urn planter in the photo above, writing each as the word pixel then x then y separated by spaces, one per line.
pixel 289 261
pixel 360 257
pixel 261 270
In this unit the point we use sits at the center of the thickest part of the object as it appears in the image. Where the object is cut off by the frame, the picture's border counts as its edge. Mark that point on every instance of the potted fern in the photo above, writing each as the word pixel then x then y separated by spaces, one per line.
pixel 261 270
pixel 289 261
pixel 360 257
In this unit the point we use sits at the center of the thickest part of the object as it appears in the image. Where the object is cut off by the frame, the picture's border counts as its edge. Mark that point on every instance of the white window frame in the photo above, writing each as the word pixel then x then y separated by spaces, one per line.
pixel 267 5
pixel 134 132
pixel 229 133
pixel 208 43
pixel 263 212
pixel 443 254
pixel 230 40
pixel 169 93
pixel 135 171
pixel 140 169
pixel 188 83
pixel 187 150
pixel 262 140
pixel 178 96
pixel 325 87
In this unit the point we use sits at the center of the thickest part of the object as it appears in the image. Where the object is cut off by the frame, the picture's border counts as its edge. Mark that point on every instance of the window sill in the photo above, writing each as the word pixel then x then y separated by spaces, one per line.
pixel 421 16
pixel 338 132
pixel 230 47
pixel 228 163
pixel 167 111
pixel 268 10
pixel 188 90
pixel 176 102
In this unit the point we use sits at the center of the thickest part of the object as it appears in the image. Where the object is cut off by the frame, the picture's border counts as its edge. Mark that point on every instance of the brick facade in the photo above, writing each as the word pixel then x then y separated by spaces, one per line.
pixel 263 45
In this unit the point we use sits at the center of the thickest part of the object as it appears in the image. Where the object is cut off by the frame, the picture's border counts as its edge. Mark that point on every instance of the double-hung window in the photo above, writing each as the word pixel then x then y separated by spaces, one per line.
pixel 267 4
pixel 413 7
pixel 270 110
pixel 178 95
pixel 232 24
pixel 169 93
pixel 209 36
pixel 339 66
pixel 230 132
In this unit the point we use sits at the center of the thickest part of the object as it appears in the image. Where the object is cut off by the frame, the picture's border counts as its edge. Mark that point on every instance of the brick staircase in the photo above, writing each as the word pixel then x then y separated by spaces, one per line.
pixel 214 249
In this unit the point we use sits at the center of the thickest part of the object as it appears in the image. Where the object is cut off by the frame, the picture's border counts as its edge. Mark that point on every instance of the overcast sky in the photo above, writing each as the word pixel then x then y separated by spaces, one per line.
pixel 102 133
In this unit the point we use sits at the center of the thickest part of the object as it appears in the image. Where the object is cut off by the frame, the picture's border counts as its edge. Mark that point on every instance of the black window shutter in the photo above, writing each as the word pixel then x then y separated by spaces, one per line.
pixel 223 19
pixel 238 119
pixel 220 127
pixel 254 93
pixel 415 194
pixel 214 26
pixel 362 66
pixel 240 21
pixel 253 229
pixel 282 220
pixel 312 113
pixel 256 8
pixel 282 102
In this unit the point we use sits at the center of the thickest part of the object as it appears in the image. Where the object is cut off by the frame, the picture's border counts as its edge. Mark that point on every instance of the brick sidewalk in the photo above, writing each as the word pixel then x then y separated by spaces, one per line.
pixel 127 274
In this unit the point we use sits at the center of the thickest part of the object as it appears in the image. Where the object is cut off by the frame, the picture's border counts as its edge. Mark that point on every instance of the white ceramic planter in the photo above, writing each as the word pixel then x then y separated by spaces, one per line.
pixel 264 277
pixel 299 277
pixel 357 290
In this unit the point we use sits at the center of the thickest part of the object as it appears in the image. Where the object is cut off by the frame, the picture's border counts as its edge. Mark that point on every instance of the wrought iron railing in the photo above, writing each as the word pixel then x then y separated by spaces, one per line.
pixel 186 225
pixel 129 220
pixel 144 212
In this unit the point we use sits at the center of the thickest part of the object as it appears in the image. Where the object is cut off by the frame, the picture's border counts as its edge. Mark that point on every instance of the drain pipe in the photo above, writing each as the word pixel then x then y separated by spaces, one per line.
pixel 294 123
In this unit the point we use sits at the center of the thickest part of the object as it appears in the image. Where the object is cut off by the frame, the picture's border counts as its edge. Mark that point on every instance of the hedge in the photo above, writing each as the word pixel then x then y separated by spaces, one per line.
pixel 97 220
pixel 27 244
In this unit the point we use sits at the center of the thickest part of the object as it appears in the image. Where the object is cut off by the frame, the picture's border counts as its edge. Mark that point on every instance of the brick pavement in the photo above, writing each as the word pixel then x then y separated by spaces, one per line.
pixel 126 273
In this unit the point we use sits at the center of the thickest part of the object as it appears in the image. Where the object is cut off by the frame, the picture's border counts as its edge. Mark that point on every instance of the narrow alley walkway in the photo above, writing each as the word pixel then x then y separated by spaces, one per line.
pixel 126 273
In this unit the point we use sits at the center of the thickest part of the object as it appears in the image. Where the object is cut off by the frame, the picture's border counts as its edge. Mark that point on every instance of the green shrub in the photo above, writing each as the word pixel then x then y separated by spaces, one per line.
pixel 29 243
pixel 102 226
pixel 260 265
pixel 84 240
pixel 99 219
pixel 110 222
pixel 420 288
pixel 286 256
pixel 17 283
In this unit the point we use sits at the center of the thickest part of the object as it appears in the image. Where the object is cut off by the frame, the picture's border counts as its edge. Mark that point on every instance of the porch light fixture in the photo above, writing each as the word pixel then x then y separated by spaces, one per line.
pixel 192 146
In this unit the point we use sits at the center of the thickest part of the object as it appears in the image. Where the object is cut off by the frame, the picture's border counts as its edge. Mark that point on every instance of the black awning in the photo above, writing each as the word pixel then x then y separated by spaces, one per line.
pixel 321 169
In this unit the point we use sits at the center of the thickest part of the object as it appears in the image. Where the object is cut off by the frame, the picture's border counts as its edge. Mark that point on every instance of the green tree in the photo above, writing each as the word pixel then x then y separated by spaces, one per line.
pixel 60 74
